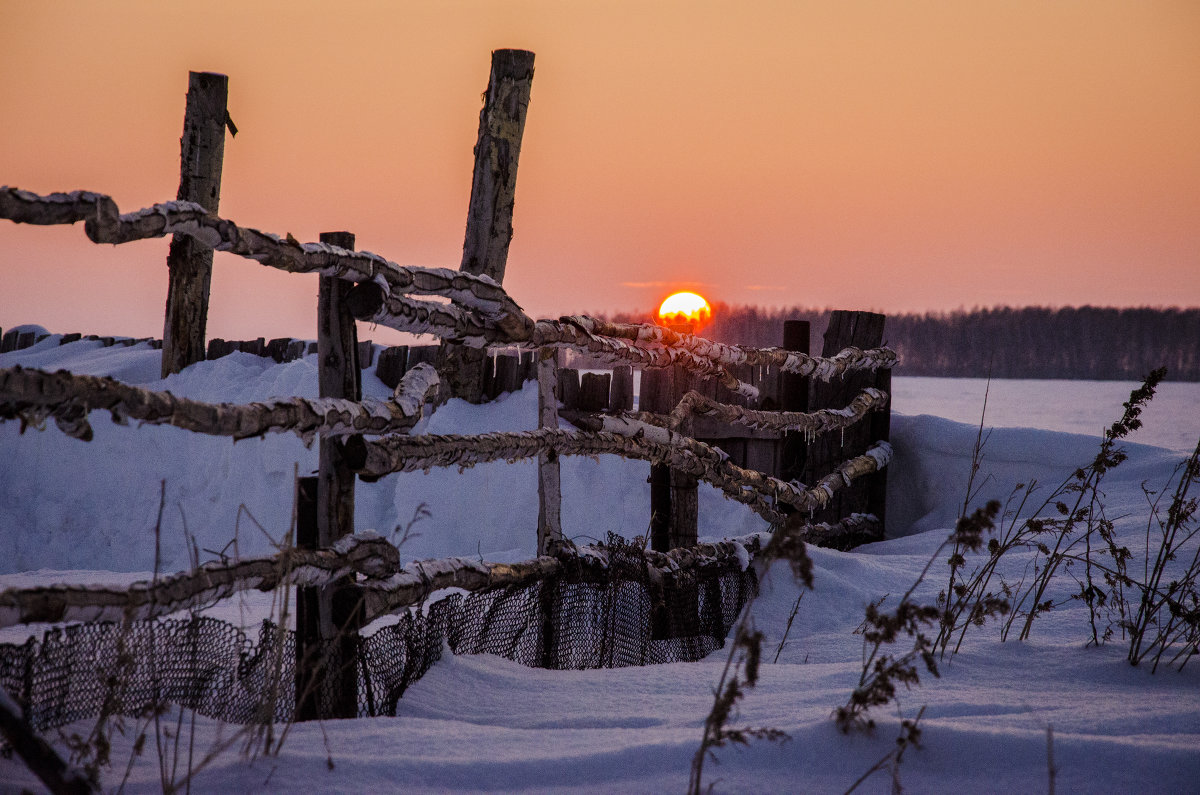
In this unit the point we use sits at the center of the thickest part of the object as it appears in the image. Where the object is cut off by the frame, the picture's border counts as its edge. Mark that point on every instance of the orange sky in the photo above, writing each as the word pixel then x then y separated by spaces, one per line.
pixel 863 155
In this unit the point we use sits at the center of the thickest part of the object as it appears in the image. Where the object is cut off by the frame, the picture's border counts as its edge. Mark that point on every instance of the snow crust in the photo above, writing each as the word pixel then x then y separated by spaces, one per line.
pixel 85 512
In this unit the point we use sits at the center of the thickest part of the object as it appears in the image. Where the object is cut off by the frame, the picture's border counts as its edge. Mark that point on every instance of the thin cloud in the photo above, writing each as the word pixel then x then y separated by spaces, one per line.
pixel 665 284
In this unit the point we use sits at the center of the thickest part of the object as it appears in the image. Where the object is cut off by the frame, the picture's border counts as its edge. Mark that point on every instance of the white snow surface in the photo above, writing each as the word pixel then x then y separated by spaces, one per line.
pixel 86 512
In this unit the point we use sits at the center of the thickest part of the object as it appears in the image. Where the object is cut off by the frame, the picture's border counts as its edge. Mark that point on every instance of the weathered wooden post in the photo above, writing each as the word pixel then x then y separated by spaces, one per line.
pixel 793 396
pixel 549 474
pixel 493 191
pixel 310 654
pixel 673 495
pixel 189 262
pixel 332 657
pixel 862 330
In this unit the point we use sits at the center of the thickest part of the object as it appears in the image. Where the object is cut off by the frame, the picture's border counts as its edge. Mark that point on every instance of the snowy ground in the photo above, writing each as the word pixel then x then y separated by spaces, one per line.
pixel 482 723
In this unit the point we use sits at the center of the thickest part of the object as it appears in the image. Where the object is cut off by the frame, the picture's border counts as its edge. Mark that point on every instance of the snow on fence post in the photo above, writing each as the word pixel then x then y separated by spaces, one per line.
pixel 189 262
pixel 493 190
pixel 549 475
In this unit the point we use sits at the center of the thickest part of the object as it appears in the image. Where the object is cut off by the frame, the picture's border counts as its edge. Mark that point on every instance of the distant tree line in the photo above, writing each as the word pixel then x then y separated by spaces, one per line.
pixel 1087 342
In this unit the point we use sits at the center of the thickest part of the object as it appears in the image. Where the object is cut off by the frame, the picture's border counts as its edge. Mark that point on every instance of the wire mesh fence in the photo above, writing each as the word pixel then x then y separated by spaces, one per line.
pixel 581 618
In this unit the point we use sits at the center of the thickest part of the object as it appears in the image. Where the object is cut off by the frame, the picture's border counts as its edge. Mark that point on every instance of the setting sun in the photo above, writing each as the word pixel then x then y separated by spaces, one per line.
pixel 685 308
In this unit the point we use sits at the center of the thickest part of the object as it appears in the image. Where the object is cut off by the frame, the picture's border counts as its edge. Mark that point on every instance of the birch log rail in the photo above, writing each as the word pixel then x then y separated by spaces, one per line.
pixel 481 315
pixel 387 586
pixel 412 453
pixel 814 423
pixel 33 395
pixel 103 223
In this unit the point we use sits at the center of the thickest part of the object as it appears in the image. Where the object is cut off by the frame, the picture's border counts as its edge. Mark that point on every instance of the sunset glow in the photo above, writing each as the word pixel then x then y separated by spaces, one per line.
pixel 685 308
pixel 893 156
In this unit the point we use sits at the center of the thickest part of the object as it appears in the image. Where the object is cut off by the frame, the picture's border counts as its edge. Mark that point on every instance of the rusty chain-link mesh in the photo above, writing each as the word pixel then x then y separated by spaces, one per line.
pixel 582 618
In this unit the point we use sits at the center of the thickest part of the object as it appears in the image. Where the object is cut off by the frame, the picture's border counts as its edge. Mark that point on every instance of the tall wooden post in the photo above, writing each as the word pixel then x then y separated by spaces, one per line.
pixel 549 475
pixel 338 377
pixel 793 396
pixel 310 653
pixel 329 665
pixel 189 262
pixel 673 495
pixel 493 192
pixel 862 330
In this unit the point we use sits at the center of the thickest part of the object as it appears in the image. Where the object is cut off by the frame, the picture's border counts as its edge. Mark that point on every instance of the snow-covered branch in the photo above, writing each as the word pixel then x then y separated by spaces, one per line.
pixel 34 395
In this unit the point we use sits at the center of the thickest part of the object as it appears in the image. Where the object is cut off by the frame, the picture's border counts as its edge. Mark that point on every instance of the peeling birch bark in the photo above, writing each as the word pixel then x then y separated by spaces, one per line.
pixel 729 355
pixel 813 423
pixel 32 396
pixel 493 318
pixel 364 553
pixel 412 453
pixel 386 588
pixel 104 225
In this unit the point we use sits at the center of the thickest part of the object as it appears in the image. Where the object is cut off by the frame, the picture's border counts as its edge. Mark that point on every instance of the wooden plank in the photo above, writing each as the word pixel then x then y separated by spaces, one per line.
pixel 862 330
pixel 277 348
pixel 366 354
pixel 392 365
pixel 793 396
pixel 568 387
pixel 762 455
pixel 507 377
pixel 418 354
pixel 621 391
pixel 189 263
pixel 707 429
pixel 549 474
pixel 593 391
pixel 881 426
pixel 493 193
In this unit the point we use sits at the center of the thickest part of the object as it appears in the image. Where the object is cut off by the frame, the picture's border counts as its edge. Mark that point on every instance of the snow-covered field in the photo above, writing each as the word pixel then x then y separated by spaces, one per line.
pixel 74 511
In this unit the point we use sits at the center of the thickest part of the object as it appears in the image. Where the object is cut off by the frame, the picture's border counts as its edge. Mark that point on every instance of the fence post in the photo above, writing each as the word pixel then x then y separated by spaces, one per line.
pixel 673 495
pixel 189 262
pixel 310 657
pixel 493 190
pixel 793 396
pixel 338 607
pixel 881 428
pixel 862 330
pixel 549 475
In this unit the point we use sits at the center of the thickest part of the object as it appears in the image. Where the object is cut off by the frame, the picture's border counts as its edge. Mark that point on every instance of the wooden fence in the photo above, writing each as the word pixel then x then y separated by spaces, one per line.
pixel 685 379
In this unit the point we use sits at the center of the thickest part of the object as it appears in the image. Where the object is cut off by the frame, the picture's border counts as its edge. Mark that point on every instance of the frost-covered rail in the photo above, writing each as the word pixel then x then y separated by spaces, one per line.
pixel 400 453
pixel 385 586
pixel 481 313
pixel 32 396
